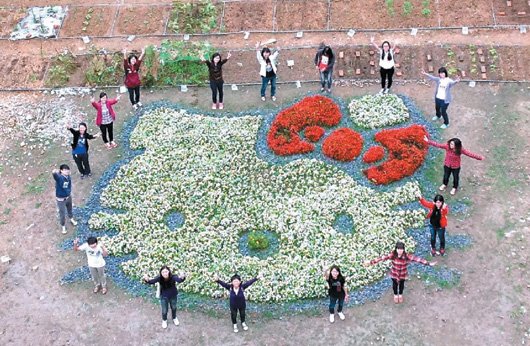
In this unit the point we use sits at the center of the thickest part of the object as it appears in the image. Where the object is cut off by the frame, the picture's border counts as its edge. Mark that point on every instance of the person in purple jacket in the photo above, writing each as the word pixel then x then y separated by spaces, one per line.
pixel 168 292
pixel 238 301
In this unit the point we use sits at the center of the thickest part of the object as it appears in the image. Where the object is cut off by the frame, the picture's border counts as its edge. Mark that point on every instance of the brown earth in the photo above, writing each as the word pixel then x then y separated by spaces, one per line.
pixel 100 23
pixel 141 20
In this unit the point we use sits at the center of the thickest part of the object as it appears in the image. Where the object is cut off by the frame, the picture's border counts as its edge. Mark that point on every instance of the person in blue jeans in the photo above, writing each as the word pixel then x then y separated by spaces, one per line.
pixel 238 301
pixel 168 292
pixel 337 291
pixel 268 69
pixel 442 94
pixel 324 61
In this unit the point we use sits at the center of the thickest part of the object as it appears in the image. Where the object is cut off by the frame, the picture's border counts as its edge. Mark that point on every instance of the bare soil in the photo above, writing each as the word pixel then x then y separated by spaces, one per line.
pixel 9 19
pixel 301 15
pixel 142 20
pixel 248 16
pixel 100 23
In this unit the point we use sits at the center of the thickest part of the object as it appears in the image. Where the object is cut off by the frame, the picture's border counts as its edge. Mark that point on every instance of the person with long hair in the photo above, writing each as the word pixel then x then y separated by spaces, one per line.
pixel 437 217
pixel 105 118
pixel 399 273
pixel 442 94
pixel 453 152
pixel 215 73
pixel 168 292
pixel 337 290
pixel 268 69
pixel 80 148
pixel 131 66
pixel 238 302
pixel 386 64
pixel 324 62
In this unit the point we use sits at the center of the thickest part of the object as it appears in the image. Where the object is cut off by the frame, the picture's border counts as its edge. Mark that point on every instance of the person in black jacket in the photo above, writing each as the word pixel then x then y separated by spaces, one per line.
pixel 324 61
pixel 168 292
pixel 80 148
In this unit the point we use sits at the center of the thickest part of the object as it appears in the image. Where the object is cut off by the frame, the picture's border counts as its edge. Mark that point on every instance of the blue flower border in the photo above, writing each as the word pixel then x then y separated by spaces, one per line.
pixel 192 301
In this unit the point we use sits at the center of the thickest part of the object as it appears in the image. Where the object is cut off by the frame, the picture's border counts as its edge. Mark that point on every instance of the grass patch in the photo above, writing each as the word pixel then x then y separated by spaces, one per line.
pixel 503 155
pixel 37 185
pixel 434 171
pixel 439 281
pixel 501 232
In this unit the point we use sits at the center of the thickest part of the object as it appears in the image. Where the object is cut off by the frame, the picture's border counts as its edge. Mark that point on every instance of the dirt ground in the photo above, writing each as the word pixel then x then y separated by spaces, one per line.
pixel 489 306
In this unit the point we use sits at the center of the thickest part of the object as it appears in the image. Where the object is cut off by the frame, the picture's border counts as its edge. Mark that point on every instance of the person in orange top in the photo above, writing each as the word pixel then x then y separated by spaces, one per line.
pixel 438 221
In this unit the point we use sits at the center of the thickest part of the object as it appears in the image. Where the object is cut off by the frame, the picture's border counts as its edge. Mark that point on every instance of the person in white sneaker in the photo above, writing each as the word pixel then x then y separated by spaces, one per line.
pixel 338 292
pixel 386 64
pixel 442 94
pixel 168 292
pixel 96 263
pixel 63 195
pixel 237 297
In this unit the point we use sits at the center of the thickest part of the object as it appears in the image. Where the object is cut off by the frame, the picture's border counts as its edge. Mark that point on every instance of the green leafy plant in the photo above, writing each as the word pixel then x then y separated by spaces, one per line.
pixel 62 67
pixel 193 17
pixel 88 17
pixel 257 241
pixel 176 63
pixel 426 11
pixel 104 69
pixel 390 7
pixel 407 8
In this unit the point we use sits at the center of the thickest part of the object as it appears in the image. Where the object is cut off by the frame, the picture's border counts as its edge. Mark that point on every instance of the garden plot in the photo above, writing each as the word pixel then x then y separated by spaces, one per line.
pixel 43 22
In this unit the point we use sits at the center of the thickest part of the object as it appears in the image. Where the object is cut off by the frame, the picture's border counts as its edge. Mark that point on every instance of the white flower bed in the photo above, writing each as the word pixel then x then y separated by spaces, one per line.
pixel 207 169
pixel 376 111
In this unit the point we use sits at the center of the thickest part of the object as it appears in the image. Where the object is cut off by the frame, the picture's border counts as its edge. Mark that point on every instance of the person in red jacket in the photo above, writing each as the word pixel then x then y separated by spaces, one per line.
pixel 105 118
pixel 453 152
pixel 438 221
pixel 131 66
pixel 400 260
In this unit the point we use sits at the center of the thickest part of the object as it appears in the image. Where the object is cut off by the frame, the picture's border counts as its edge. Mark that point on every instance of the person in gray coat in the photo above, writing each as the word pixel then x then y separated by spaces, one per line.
pixel 442 94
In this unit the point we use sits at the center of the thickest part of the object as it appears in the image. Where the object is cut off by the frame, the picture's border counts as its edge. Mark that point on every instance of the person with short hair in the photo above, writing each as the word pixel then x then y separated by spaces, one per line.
pixel 95 254
pixel 442 94
pixel 63 195
pixel 238 301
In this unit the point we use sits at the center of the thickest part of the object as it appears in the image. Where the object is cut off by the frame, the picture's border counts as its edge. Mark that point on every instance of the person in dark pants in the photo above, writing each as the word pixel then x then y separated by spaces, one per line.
pixel 337 291
pixel 386 64
pixel 131 66
pixel 452 161
pixel 442 94
pixel 324 62
pixel 63 195
pixel 215 72
pixel 168 292
pixel 80 148
pixel 399 273
pixel 237 297
pixel 437 221
pixel 105 118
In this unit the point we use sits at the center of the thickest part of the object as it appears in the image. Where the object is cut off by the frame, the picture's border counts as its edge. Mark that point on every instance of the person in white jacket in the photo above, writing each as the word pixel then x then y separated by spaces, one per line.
pixel 268 69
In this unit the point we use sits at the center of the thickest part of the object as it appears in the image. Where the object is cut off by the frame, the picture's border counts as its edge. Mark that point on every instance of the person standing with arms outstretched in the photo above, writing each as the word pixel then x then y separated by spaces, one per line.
pixel 442 94
pixel 105 118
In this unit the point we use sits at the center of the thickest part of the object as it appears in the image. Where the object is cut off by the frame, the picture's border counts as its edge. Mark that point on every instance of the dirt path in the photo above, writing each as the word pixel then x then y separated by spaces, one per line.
pixel 487 307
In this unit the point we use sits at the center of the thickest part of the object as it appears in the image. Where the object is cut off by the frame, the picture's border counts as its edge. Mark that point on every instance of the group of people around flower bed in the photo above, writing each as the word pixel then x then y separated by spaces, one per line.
pixel 336 282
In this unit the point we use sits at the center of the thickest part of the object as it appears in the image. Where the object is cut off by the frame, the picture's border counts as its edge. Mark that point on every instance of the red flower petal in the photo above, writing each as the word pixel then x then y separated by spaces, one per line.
pixel 343 145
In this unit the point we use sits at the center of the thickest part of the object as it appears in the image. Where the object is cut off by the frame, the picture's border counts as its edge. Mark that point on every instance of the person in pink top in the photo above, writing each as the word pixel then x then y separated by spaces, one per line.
pixel 453 153
pixel 105 118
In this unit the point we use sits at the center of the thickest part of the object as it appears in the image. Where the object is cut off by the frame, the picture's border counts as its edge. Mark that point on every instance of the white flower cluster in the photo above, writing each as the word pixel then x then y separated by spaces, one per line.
pixel 376 111
pixel 207 169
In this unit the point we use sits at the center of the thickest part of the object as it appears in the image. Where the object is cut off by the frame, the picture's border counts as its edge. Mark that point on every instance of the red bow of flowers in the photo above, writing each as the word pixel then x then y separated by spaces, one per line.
pixel 283 136
pixel 406 153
